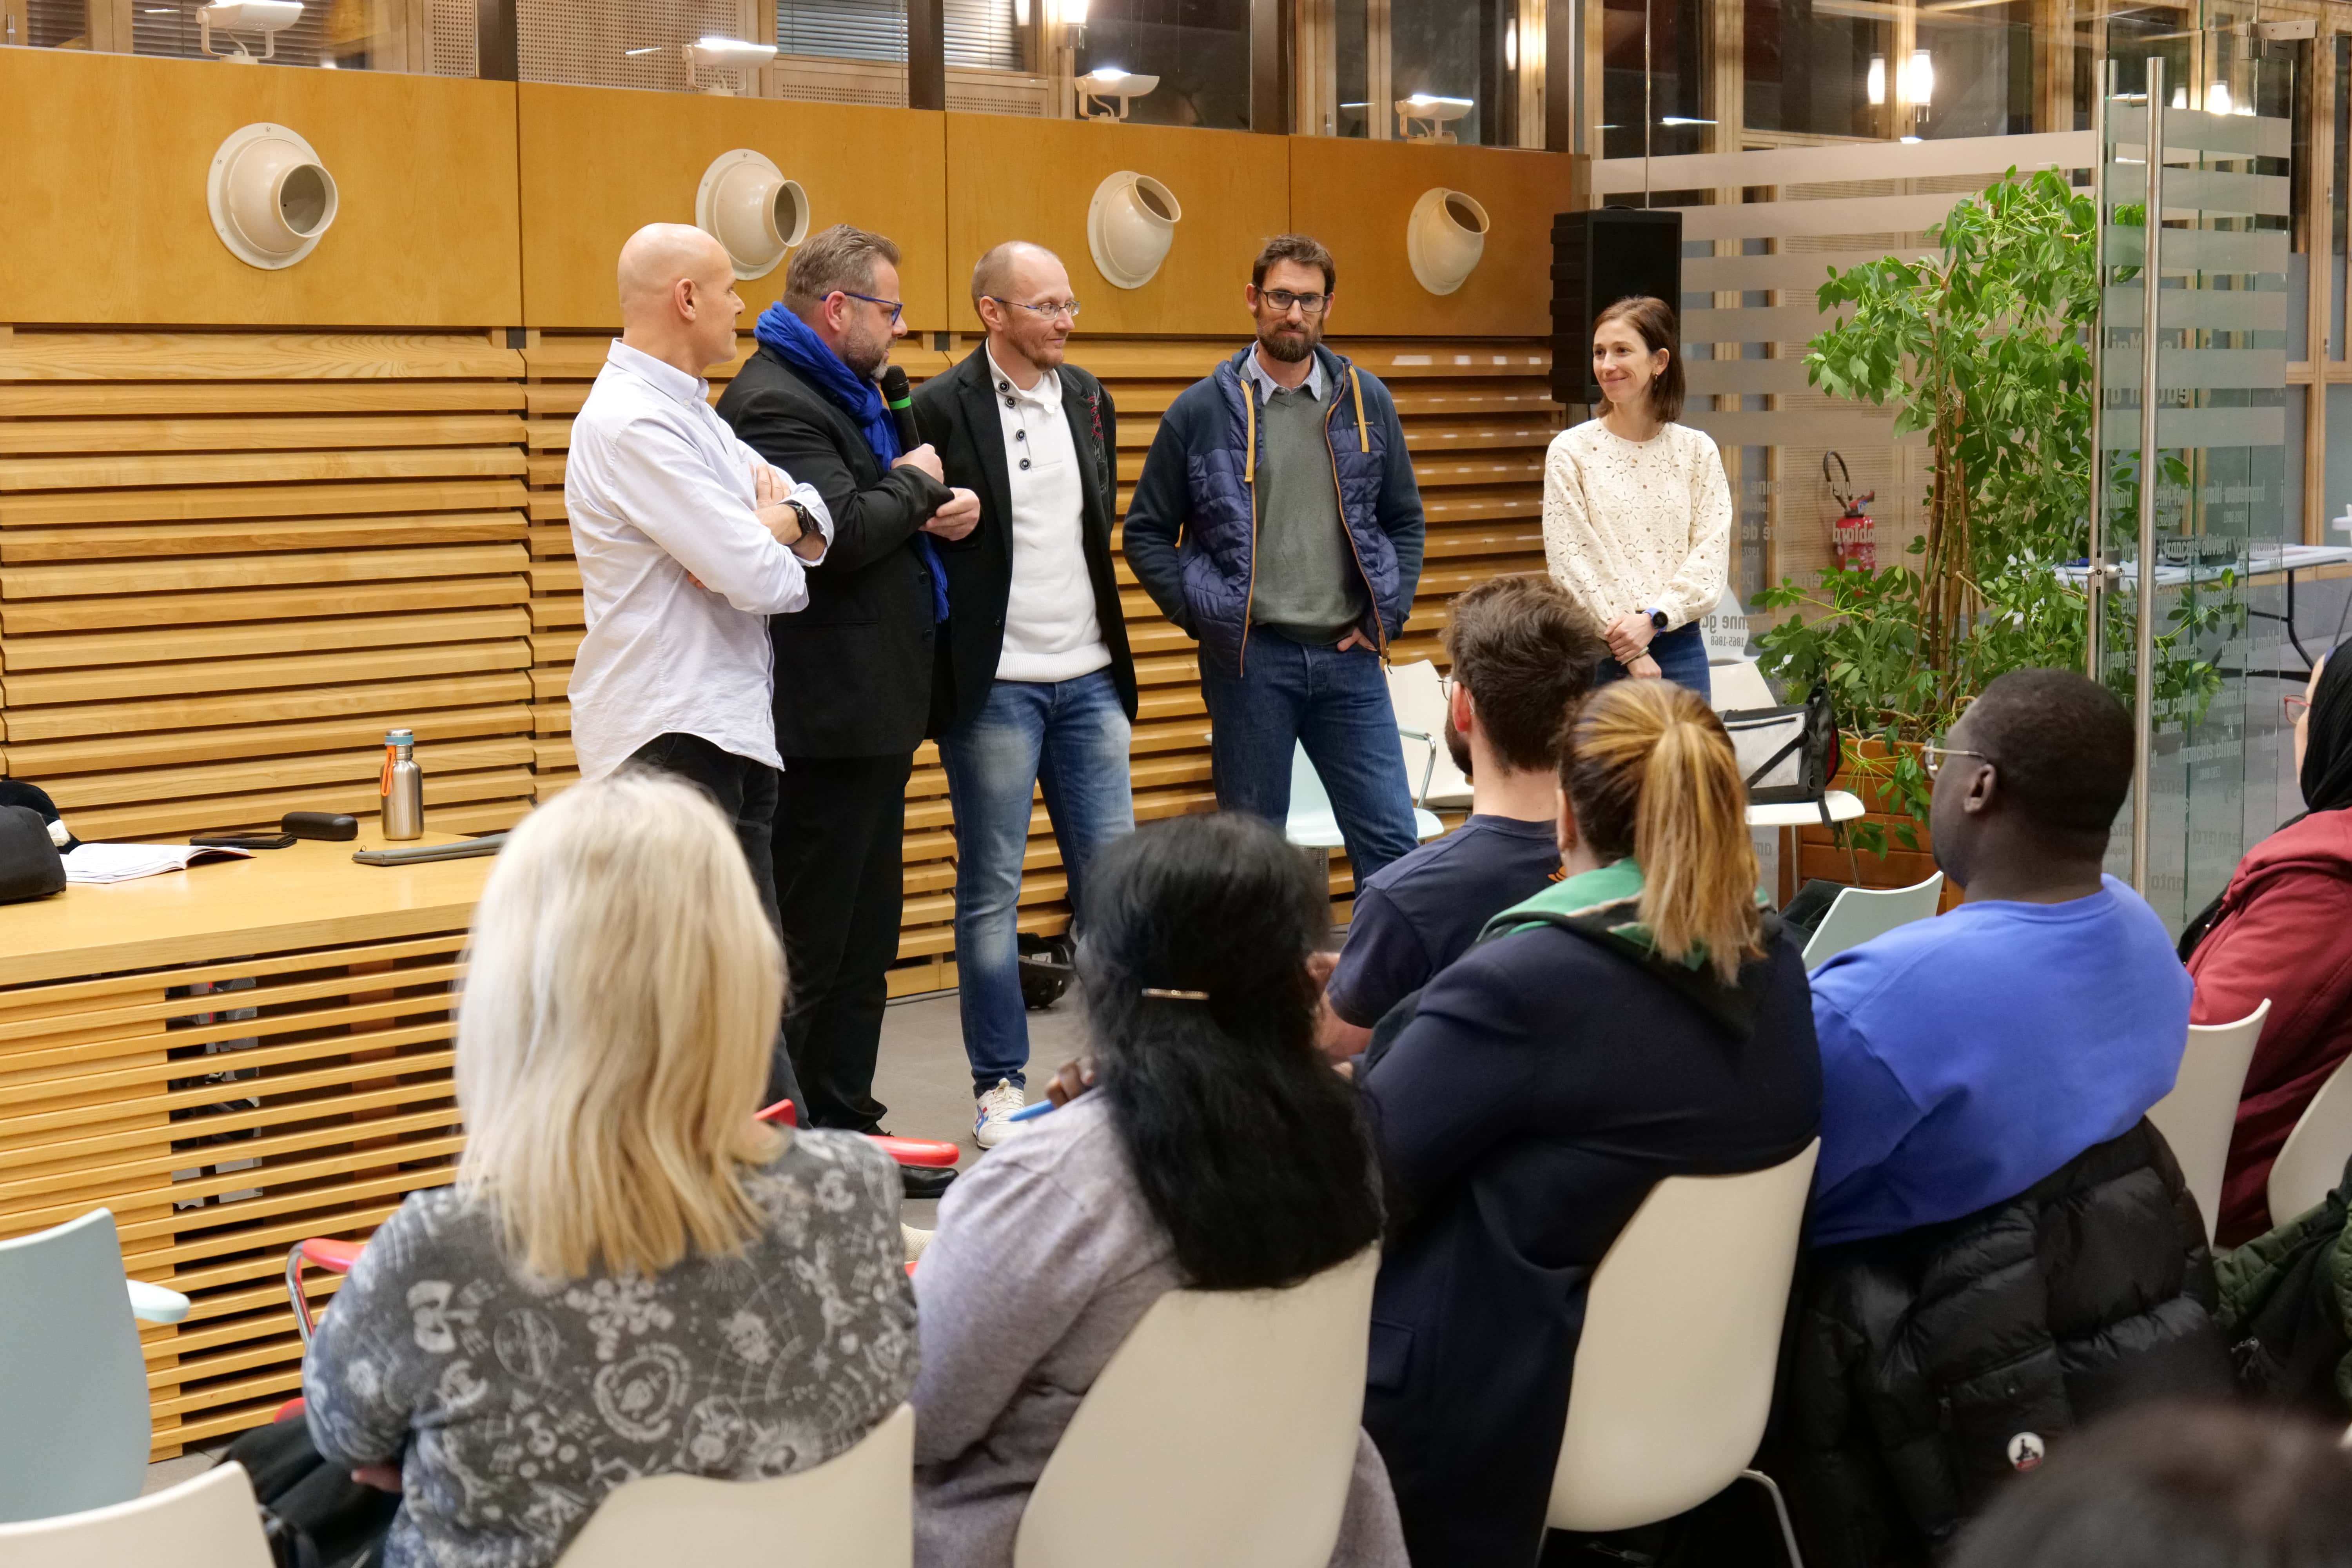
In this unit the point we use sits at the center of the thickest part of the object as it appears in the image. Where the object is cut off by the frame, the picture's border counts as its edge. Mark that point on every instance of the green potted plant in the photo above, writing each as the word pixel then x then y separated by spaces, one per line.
pixel 1986 348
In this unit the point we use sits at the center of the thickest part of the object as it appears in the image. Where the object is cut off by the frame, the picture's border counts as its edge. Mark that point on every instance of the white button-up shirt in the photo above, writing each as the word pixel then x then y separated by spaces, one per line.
pixel 659 492
pixel 1050 629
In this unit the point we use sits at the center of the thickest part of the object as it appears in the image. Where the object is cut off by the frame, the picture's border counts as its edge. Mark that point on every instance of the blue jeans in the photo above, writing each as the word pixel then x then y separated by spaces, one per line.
pixel 1682 658
pixel 1071 737
pixel 1337 706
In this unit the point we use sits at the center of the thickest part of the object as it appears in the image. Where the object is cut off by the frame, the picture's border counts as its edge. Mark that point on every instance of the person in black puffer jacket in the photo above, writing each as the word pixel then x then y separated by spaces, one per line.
pixel 1928 1367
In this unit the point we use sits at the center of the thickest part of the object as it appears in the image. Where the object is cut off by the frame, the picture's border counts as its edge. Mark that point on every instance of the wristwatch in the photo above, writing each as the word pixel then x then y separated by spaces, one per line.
pixel 807 521
pixel 1657 620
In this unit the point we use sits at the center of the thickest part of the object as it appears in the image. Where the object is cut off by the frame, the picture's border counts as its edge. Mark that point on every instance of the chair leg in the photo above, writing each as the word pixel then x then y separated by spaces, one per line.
pixel 1780 1512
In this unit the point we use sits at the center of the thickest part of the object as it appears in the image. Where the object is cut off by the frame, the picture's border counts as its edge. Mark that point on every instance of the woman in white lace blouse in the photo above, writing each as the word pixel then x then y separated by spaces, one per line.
pixel 1637 517
pixel 632 1277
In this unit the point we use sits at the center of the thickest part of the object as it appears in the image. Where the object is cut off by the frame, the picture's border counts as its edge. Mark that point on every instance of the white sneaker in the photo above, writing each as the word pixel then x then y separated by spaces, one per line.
pixel 994 1125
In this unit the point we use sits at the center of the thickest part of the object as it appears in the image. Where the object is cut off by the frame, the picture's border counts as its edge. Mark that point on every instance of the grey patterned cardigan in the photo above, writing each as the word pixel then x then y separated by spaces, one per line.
pixel 512 1405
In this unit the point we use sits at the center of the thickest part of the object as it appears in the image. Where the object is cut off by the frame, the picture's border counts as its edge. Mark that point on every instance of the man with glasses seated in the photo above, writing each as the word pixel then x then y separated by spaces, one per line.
pixel 1285 474
pixel 853 671
pixel 1037 685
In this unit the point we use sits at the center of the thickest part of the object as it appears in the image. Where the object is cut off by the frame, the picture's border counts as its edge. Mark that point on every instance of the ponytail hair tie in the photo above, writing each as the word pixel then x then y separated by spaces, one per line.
pixel 1175 996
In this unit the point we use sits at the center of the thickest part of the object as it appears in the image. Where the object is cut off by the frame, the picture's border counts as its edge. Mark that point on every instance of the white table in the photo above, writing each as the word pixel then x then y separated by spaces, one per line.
pixel 1843 807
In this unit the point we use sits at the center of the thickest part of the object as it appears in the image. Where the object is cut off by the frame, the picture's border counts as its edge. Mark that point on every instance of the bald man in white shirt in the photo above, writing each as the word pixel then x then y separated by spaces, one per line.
pixel 687 540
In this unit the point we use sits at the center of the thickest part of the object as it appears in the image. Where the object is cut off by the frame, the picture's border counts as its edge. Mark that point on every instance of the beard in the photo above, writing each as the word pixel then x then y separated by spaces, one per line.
pixel 1455 746
pixel 865 355
pixel 1290 344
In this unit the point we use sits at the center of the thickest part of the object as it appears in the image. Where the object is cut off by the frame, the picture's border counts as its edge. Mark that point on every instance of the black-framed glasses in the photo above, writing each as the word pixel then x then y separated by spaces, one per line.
pixel 897 306
pixel 1283 299
pixel 1049 309
pixel 1932 757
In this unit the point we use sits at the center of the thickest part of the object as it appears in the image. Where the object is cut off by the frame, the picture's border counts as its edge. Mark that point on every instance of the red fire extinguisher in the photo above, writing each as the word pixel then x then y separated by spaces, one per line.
pixel 1854 537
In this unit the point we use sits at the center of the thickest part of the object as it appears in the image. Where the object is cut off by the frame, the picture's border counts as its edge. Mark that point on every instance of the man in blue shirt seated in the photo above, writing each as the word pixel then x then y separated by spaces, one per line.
pixel 1522 660
pixel 1966 1058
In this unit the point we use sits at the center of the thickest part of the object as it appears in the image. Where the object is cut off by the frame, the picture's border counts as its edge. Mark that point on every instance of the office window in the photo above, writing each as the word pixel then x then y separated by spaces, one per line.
pixel 1199 51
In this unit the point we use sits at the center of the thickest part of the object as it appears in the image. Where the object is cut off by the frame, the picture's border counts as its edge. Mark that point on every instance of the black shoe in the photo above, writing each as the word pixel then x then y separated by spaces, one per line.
pixel 925 1180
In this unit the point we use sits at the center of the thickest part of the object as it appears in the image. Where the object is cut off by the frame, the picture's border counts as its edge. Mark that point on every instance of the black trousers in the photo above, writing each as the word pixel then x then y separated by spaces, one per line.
pixel 840 831
pixel 745 790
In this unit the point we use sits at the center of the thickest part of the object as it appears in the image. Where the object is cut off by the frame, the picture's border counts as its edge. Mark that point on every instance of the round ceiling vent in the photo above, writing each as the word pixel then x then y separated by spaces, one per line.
pixel 746 204
pixel 271 198
pixel 1444 238
pixel 1129 225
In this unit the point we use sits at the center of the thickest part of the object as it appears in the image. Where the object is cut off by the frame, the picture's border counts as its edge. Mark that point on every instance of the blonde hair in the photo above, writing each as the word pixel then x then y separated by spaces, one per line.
pixel 1650 773
pixel 614 1031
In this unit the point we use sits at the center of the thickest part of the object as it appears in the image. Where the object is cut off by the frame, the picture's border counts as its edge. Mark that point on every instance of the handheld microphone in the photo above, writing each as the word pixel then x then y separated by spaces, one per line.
pixel 902 407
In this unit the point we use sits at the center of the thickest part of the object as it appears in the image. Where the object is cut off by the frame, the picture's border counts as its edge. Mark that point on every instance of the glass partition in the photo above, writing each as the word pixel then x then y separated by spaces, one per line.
pixel 2201 624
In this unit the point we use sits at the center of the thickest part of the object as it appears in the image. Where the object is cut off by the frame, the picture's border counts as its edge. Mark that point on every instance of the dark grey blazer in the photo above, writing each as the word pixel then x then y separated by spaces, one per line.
pixel 957 414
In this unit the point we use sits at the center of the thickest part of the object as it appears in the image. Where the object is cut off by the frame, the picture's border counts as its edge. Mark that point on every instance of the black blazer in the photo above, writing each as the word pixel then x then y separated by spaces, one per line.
pixel 854 669
pixel 957 414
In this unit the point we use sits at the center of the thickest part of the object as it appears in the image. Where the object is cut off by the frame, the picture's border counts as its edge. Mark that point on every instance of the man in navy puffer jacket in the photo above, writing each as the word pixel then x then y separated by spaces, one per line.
pixel 1285 473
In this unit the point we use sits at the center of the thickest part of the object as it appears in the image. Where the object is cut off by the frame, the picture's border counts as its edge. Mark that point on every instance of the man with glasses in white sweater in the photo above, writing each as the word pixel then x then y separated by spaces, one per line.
pixel 1036 685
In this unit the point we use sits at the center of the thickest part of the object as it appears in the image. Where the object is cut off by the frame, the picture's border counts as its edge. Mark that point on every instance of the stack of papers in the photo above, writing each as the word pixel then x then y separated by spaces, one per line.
pixel 128 862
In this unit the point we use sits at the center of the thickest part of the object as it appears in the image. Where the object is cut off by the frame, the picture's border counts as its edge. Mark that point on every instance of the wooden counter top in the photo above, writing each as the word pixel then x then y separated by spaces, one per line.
pixel 311 894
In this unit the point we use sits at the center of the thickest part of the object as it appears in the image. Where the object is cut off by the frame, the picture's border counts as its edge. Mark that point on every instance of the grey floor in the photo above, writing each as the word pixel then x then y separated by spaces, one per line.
pixel 922 1077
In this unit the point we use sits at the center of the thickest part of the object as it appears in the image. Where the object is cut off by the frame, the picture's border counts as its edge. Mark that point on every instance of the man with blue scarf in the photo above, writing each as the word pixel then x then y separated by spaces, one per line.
pixel 854 669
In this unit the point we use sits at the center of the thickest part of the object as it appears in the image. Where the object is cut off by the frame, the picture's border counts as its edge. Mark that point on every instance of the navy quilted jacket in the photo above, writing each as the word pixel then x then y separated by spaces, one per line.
pixel 1198 478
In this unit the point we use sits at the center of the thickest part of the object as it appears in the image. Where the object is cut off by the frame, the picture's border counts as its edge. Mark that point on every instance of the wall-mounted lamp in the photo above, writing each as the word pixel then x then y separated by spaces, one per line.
pixel 1511 44
pixel 746 204
pixel 1445 238
pixel 1130 224
pixel 714 53
pixel 271 198
pixel 1423 117
pixel 1106 92
pixel 1875 81
pixel 266 17
pixel 1916 82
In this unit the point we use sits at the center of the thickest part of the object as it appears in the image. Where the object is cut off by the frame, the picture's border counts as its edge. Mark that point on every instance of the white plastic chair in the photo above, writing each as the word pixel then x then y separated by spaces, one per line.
pixel 858 1508
pixel 2201 1112
pixel 1224 1430
pixel 2310 1161
pixel 1862 914
pixel 1313 825
pixel 1682 1339
pixel 74 1422
pixel 1417 692
pixel 211 1521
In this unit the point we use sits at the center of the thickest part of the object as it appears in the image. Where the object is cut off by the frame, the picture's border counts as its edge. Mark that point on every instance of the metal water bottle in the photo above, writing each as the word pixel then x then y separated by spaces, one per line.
pixel 404 786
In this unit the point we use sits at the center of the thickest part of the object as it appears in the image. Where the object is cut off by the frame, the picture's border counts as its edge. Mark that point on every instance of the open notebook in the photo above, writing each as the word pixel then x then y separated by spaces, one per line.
pixel 128 862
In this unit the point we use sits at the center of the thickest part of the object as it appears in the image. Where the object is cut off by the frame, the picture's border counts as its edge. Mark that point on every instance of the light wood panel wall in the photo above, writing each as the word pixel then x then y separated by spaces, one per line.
pixel 1476 419
pixel 1034 179
pixel 596 164
pixel 1356 196
pixel 103 204
pixel 224 1111
pixel 229 561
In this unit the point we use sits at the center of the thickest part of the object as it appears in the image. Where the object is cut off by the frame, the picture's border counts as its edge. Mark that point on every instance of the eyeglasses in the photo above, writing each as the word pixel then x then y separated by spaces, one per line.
pixel 1051 309
pixel 897 306
pixel 2294 707
pixel 1283 299
pixel 1932 757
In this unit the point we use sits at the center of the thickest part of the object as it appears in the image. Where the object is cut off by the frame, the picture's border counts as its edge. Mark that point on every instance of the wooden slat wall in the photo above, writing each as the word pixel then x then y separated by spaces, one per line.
pixel 1476 419
pixel 224 1111
pixel 229 561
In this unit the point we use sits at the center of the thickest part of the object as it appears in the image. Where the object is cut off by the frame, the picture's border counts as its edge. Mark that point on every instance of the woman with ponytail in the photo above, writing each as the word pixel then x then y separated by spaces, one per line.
pixel 1219 1152
pixel 1642 1018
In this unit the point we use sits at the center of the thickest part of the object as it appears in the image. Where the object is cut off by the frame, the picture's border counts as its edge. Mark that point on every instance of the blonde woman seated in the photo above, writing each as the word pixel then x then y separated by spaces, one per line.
pixel 630 1277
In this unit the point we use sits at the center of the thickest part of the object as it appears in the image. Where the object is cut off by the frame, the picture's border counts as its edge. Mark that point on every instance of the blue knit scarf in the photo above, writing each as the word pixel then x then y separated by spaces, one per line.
pixel 790 339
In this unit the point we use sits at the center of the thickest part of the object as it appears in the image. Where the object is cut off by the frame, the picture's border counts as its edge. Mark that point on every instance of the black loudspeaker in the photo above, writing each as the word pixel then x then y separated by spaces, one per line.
pixel 1600 256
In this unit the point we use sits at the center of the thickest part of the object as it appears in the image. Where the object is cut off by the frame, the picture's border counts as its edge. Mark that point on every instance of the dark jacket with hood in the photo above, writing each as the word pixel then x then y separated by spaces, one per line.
pixel 1199 481
pixel 2277 931
pixel 1548 1078
pixel 1926 1367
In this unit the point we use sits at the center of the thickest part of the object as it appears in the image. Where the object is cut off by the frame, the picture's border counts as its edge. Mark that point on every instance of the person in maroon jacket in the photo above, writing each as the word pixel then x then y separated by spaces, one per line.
pixel 2279 930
